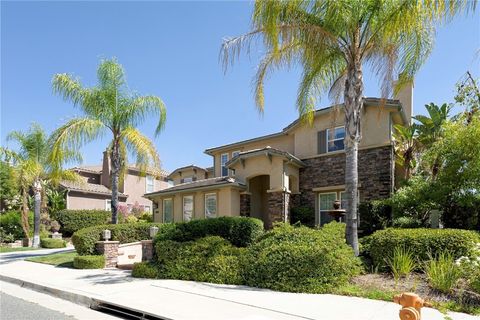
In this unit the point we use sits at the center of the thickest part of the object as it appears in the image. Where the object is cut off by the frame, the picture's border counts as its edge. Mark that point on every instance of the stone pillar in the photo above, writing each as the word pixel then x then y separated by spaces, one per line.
pixel 110 250
pixel 147 250
pixel 278 207
pixel 245 204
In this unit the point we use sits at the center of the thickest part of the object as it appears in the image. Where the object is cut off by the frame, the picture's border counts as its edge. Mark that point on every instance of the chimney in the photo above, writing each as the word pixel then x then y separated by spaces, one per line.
pixel 105 179
pixel 405 95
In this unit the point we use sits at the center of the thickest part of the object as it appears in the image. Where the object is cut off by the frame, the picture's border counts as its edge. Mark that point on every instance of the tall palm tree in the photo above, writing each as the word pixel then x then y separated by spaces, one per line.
pixel 406 147
pixel 110 108
pixel 35 167
pixel 333 40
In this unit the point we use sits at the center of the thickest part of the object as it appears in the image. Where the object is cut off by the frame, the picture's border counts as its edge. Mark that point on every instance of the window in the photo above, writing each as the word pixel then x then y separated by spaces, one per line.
pixel 335 139
pixel 167 210
pixel 150 181
pixel 223 160
pixel 187 208
pixel 210 205
pixel 325 203
pixel 343 200
pixel 108 205
pixel 187 179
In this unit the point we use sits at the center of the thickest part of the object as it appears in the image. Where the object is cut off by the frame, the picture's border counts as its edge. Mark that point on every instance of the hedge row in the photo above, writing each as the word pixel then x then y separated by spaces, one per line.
pixel 89 262
pixel 423 243
pixel 11 223
pixel 52 243
pixel 239 231
pixel 74 220
pixel 84 240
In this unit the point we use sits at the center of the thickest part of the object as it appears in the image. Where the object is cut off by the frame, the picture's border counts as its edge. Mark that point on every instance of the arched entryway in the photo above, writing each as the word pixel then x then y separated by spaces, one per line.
pixel 258 186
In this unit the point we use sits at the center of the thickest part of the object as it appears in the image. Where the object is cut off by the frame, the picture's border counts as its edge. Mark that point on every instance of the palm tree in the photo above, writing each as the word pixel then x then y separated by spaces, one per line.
pixel 333 40
pixel 406 147
pixel 109 107
pixel 34 168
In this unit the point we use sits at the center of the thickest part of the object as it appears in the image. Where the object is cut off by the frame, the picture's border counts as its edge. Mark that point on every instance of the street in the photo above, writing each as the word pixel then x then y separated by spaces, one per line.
pixel 13 308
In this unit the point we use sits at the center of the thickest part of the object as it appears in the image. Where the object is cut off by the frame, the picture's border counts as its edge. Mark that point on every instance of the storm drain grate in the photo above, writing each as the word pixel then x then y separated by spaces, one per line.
pixel 123 313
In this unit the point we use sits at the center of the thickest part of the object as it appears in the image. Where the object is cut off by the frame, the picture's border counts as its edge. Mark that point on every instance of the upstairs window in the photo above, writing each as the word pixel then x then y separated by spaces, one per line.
pixel 150 181
pixel 336 139
pixel 223 160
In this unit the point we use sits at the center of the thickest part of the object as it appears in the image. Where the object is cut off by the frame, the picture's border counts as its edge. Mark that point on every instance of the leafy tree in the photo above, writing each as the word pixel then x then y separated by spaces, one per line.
pixel 8 184
pixel 333 40
pixel 109 107
pixel 34 167
pixel 406 147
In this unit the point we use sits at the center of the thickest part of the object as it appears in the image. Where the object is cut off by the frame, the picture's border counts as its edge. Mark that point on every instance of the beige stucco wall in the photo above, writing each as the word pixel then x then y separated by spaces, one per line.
pixel 135 187
pixel 188 172
pixel 78 201
pixel 262 165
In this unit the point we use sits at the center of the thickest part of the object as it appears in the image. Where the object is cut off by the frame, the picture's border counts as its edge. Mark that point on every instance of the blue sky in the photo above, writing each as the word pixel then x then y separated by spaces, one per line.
pixel 171 49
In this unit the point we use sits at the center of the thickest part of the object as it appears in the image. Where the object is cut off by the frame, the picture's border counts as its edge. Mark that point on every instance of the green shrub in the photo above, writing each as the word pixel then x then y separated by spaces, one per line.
pixel 210 259
pixel 239 231
pixel 89 262
pixel 145 270
pixel 401 263
pixel 11 223
pixel 300 259
pixel 406 223
pixel 84 240
pixel 421 242
pixel 303 215
pixel 374 215
pixel 74 220
pixel 442 272
pixel 52 243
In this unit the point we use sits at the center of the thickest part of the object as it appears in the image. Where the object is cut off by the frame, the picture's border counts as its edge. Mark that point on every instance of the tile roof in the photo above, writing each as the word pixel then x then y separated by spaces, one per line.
pixel 268 151
pixel 98 169
pixel 211 182
pixel 87 187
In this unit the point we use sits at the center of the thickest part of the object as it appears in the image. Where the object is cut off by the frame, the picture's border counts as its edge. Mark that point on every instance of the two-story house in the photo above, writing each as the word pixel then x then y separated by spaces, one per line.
pixel 302 165
pixel 95 193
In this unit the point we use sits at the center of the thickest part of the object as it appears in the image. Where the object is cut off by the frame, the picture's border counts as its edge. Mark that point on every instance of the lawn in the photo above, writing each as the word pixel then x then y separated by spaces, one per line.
pixel 8 249
pixel 63 259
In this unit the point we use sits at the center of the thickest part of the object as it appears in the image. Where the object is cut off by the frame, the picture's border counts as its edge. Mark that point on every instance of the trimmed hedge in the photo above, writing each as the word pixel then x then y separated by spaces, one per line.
pixel 421 242
pixel 84 240
pixel 145 270
pixel 52 243
pixel 74 220
pixel 301 259
pixel 89 262
pixel 11 223
pixel 210 259
pixel 239 231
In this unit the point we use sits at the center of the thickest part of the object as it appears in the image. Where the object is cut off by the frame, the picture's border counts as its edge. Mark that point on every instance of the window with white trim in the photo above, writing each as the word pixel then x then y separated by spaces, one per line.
pixel 336 139
pixel 210 205
pixel 108 205
pixel 150 183
pixel 187 208
pixel 223 161
pixel 167 210
pixel 325 204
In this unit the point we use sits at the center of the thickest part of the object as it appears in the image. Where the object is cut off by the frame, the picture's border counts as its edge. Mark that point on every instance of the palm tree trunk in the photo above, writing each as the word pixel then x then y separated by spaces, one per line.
pixel 115 162
pixel 37 189
pixel 353 108
pixel 25 212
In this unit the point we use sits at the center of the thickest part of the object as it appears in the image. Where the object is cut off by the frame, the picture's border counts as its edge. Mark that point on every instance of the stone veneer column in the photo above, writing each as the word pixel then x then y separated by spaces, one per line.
pixel 110 250
pixel 245 204
pixel 278 208
pixel 147 250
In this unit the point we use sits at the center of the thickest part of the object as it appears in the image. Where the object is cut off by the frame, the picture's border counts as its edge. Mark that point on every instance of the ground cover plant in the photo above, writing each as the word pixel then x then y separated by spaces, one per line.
pixel 62 259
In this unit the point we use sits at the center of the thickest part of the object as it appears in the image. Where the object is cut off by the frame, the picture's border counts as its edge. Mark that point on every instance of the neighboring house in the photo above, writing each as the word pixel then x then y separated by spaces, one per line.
pixel 301 166
pixel 95 193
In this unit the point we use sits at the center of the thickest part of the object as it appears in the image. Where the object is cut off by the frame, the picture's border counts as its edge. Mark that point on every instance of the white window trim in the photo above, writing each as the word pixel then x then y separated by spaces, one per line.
pixel 163 209
pixel 205 203
pixel 336 193
pixel 146 183
pixel 183 206
pixel 327 140
pixel 222 165
pixel 108 205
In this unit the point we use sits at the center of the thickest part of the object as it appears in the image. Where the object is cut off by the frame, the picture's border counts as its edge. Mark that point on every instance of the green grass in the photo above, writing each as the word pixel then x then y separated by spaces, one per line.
pixel 8 249
pixel 64 259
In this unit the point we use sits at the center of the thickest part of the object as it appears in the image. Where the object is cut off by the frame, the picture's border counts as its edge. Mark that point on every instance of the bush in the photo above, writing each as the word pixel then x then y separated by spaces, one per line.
pixel 89 262
pixel 52 243
pixel 210 259
pixel 401 263
pixel 239 231
pixel 406 223
pixel 374 215
pixel 421 242
pixel 301 259
pixel 84 240
pixel 303 215
pixel 74 220
pixel 442 272
pixel 11 223
pixel 145 270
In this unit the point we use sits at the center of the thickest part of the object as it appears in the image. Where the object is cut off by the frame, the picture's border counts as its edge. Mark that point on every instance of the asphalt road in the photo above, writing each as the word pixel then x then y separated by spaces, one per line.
pixel 13 308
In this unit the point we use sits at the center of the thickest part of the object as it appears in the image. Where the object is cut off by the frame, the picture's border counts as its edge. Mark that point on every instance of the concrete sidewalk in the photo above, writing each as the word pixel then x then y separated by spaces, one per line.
pixel 184 300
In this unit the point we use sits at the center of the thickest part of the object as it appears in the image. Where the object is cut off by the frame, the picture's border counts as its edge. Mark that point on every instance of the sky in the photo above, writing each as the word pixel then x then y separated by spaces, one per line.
pixel 171 50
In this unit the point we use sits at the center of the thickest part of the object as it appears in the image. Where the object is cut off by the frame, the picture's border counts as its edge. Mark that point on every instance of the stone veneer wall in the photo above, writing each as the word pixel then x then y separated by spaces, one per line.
pixel 245 205
pixel 375 175
pixel 278 208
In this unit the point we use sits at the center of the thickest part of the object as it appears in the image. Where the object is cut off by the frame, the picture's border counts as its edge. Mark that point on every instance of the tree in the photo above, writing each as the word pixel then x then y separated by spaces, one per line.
pixel 109 107
pixel 406 147
pixel 34 167
pixel 333 40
